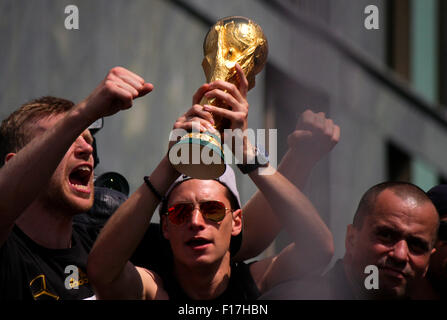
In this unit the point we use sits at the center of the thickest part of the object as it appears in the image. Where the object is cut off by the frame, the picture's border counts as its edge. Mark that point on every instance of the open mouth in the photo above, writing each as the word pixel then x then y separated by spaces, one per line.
pixel 79 178
pixel 198 243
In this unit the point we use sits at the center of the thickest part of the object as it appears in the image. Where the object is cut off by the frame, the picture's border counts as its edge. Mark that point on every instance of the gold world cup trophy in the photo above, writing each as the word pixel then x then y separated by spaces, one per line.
pixel 229 41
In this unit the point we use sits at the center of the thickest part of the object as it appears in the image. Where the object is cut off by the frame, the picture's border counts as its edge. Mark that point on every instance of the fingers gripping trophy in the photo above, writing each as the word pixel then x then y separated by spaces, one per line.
pixel 229 41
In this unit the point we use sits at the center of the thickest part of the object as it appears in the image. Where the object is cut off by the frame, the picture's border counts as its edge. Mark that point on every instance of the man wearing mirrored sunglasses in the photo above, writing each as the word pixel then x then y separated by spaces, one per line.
pixel 199 222
pixel 194 216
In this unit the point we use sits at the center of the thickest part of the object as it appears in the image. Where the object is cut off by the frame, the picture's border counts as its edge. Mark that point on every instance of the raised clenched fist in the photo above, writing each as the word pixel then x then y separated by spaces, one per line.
pixel 314 136
pixel 116 92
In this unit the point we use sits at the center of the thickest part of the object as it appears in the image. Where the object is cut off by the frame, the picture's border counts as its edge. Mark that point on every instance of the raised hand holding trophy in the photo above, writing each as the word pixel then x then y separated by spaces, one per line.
pixel 229 41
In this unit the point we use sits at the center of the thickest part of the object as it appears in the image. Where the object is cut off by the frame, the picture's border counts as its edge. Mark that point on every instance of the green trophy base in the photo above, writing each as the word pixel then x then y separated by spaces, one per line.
pixel 198 155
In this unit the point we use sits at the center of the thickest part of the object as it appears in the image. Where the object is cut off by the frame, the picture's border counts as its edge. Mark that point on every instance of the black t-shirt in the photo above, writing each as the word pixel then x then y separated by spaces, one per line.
pixel 29 271
pixel 240 287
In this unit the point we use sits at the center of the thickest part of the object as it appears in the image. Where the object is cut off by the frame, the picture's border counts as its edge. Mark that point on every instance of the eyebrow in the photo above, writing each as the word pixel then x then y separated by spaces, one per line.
pixel 388 229
pixel 408 238
pixel 419 241
pixel 192 202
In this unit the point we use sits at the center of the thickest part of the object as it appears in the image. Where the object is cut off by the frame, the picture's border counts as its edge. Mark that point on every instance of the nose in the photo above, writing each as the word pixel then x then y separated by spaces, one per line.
pixel 400 251
pixel 197 220
pixel 83 149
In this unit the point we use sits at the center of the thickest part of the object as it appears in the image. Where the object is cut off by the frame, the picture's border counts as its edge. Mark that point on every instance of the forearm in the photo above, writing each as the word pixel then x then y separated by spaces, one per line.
pixel 27 172
pixel 298 216
pixel 314 137
pixel 259 217
pixel 127 226
pixel 296 168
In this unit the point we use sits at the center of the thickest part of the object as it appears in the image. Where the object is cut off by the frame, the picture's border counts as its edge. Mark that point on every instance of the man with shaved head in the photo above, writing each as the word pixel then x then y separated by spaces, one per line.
pixel 394 231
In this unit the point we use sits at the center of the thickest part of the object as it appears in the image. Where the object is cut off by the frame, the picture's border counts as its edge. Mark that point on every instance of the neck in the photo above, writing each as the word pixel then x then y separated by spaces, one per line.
pixel 349 277
pixel 204 282
pixel 422 289
pixel 359 291
pixel 49 228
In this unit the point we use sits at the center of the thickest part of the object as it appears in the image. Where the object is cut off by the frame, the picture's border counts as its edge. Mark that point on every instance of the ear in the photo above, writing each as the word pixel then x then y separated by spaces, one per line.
pixel 237 222
pixel 9 156
pixel 164 226
pixel 428 264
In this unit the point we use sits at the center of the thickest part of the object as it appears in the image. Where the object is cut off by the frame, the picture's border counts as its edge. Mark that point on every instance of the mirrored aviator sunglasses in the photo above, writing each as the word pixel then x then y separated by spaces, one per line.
pixel 212 210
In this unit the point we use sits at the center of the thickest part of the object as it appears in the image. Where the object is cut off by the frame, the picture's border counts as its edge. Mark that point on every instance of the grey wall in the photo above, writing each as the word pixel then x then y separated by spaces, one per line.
pixel 152 38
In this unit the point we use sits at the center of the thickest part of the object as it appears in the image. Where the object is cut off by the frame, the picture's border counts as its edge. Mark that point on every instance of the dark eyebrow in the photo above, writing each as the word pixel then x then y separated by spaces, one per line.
pixel 387 229
pixel 410 239
pixel 418 241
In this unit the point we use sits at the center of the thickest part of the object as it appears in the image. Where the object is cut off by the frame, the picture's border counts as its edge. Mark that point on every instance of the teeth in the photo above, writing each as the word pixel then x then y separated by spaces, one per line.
pixel 84 168
pixel 79 186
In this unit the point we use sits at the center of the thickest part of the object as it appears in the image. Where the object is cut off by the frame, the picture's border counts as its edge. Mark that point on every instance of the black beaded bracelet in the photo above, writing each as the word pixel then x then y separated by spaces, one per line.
pixel 152 188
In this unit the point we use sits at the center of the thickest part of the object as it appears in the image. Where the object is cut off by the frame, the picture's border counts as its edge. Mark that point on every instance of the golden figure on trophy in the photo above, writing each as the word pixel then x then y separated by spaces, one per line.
pixel 229 41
